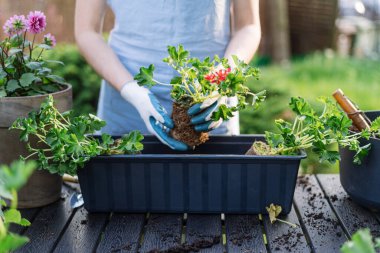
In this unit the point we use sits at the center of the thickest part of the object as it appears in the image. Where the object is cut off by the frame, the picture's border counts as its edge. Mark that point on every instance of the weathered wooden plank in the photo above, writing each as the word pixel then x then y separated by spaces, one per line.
pixel 351 214
pixel 28 214
pixel 283 238
pixel 122 233
pixel 48 225
pixel 82 233
pixel 244 234
pixel 204 233
pixel 322 226
pixel 163 232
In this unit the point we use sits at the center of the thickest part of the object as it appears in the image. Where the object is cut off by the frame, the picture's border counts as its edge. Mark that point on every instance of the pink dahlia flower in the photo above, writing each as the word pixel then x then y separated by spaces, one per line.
pixel 49 40
pixel 15 25
pixel 36 22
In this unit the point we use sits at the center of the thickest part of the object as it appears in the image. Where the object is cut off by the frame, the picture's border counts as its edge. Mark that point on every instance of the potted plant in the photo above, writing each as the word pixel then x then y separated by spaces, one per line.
pixel 25 81
pixel 211 80
pixel 361 180
pixel 314 132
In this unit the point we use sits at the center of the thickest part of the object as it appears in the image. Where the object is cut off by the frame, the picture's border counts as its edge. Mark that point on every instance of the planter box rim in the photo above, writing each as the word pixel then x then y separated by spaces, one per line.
pixel 207 156
pixel 151 139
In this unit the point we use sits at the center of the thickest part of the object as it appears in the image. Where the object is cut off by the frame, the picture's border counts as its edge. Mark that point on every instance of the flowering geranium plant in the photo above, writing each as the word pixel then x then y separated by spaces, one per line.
pixel 199 80
pixel 203 80
pixel 23 72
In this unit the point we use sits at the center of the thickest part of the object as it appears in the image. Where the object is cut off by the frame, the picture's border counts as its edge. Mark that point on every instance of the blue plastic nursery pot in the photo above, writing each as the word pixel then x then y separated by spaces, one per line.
pixel 215 177
pixel 362 182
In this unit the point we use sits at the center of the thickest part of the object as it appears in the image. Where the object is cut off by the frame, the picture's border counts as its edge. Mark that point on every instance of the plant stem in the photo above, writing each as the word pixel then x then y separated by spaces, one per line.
pixel 287 222
pixel 14 200
pixel 32 154
pixel 31 47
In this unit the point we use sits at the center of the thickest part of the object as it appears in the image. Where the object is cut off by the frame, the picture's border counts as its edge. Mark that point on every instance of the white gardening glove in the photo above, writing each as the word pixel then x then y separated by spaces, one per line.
pixel 152 113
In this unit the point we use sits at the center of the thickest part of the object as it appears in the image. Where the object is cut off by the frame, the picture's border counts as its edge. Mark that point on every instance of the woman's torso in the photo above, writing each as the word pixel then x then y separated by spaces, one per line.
pixel 143 30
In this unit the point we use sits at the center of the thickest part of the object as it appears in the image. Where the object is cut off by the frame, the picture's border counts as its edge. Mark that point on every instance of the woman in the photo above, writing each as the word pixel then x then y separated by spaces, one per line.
pixel 143 30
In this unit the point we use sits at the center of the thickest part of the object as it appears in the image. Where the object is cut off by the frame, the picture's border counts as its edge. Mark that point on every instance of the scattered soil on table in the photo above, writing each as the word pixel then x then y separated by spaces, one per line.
pixel 243 232
pixel 193 247
pixel 183 131
pixel 333 198
pixel 126 247
pixel 288 241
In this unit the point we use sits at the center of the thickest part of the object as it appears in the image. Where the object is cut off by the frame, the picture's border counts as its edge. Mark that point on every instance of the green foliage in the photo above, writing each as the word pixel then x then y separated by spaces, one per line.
pixel 23 71
pixel 145 76
pixel 12 178
pixel 361 242
pixel 315 131
pixel 199 80
pixel 84 80
pixel 66 141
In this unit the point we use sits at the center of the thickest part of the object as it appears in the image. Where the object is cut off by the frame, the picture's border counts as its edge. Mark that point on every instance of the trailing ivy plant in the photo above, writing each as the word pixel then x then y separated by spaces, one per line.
pixel 12 178
pixel 63 140
pixel 199 80
pixel 314 131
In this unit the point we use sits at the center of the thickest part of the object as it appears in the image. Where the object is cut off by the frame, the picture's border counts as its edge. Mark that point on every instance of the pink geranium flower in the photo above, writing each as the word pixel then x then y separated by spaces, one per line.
pixel 15 25
pixel 36 22
pixel 49 40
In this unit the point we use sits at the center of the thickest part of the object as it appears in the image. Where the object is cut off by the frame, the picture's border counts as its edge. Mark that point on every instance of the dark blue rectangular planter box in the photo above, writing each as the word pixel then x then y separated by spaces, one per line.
pixel 216 177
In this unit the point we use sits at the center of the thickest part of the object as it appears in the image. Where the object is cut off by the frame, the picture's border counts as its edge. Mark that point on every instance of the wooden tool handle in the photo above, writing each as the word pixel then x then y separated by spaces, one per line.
pixel 353 113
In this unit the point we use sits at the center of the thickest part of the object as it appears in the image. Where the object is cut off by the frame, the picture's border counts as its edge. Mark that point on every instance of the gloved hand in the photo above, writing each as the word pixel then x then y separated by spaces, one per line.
pixel 201 113
pixel 153 114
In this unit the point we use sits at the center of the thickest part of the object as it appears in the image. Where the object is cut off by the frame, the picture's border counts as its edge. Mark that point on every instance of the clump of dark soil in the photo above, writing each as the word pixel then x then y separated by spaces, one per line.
pixel 193 247
pixel 182 130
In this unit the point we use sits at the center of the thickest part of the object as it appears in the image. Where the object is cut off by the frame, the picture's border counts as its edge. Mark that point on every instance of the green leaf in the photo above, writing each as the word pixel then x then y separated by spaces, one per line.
pixel 377 243
pixel 361 153
pixel 375 125
pixel 33 65
pixel 274 140
pixel 12 242
pixel 14 51
pixel 145 76
pixel 26 79
pixel 12 85
pixel 12 216
pixel 329 156
pixel 24 222
pixel 55 62
pixel 2 93
pixel 56 79
pixel 361 242
pixel 223 112
pixel 300 106
pixel 44 46
pixel 13 177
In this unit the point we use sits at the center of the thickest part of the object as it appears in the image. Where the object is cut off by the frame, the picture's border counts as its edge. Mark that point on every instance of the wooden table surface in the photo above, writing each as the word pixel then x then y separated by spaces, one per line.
pixel 325 215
